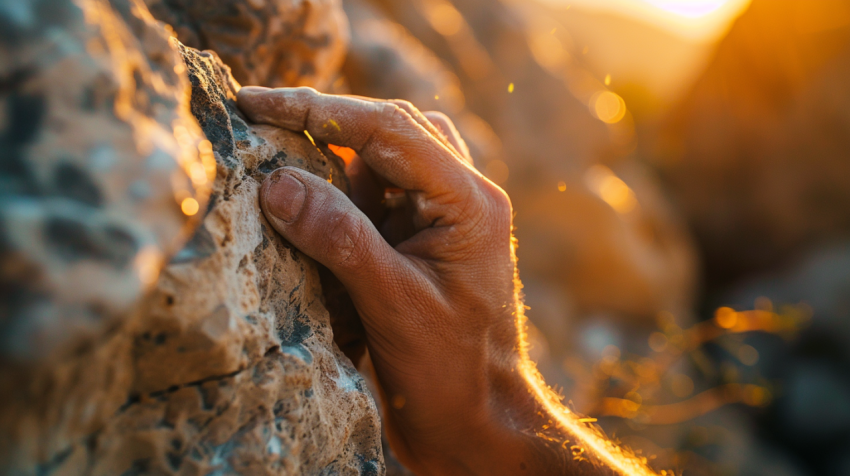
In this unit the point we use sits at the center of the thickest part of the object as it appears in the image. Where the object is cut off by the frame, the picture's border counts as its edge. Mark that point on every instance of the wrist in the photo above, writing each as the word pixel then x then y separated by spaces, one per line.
pixel 507 432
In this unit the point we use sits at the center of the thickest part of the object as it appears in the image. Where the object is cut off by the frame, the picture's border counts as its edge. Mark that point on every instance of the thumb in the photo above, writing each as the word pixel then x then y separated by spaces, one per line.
pixel 321 221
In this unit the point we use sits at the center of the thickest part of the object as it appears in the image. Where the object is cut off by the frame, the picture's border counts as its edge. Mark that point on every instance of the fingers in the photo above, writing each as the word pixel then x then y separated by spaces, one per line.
pixel 320 221
pixel 450 132
pixel 385 135
pixel 415 114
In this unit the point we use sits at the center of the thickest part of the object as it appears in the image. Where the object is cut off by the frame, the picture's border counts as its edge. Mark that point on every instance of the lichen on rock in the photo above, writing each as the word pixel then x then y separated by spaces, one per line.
pixel 223 362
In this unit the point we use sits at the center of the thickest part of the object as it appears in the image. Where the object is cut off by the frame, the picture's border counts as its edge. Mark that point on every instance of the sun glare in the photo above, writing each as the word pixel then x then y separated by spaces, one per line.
pixel 689 8
pixel 701 20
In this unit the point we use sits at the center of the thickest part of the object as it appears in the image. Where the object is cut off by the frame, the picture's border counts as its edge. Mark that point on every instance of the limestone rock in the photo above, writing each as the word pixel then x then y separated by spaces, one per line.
pixel 227 365
pixel 270 43
pixel 97 149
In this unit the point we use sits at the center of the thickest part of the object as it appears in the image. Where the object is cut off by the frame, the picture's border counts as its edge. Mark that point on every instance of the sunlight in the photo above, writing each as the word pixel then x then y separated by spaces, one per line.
pixel 689 8
pixel 700 20
pixel 587 440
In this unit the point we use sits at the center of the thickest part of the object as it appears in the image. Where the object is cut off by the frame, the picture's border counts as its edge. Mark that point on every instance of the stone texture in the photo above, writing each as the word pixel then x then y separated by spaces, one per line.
pixel 270 43
pixel 756 154
pixel 97 149
pixel 223 362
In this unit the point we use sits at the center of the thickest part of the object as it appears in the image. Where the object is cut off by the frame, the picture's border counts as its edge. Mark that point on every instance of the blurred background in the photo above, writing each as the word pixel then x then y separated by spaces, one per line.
pixel 680 172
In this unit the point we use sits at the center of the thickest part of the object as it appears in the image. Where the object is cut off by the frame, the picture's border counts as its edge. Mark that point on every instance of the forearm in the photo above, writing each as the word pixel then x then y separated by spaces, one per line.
pixel 514 424
pixel 535 434
pixel 521 428
pixel 440 305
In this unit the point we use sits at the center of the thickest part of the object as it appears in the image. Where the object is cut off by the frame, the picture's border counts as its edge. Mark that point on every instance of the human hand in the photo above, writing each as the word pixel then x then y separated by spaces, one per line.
pixel 437 297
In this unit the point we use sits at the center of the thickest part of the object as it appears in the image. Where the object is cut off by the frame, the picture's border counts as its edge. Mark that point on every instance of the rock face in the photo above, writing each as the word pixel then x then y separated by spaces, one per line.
pixel 270 43
pixel 220 362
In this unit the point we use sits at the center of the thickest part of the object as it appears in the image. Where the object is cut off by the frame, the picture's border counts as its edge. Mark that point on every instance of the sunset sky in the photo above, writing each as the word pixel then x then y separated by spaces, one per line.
pixel 701 20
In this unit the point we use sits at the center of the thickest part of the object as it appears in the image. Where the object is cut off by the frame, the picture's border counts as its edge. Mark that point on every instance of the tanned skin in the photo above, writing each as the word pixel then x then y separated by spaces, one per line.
pixel 435 286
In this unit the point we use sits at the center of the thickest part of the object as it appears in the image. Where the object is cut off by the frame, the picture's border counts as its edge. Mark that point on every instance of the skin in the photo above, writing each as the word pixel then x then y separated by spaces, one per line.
pixel 433 282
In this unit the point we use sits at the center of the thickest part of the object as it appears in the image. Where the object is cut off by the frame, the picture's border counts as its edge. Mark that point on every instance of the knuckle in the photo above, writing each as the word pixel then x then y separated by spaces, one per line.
pixel 469 207
pixel 388 113
pixel 392 115
pixel 500 206
pixel 305 93
pixel 501 200
pixel 405 106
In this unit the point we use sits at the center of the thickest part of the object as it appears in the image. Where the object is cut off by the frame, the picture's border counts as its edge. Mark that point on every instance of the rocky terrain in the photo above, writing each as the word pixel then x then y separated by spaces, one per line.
pixel 152 322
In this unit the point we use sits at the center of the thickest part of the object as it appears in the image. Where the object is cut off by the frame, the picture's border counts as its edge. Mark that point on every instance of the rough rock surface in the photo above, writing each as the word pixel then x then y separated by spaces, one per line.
pixel 223 362
pixel 97 146
pixel 270 43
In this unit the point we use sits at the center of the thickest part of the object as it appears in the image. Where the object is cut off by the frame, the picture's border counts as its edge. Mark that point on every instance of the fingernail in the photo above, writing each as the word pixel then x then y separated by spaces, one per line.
pixel 285 196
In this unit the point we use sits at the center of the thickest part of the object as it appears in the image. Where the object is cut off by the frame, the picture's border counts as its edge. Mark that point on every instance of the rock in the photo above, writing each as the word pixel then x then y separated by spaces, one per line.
pixel 97 147
pixel 223 362
pixel 756 154
pixel 270 43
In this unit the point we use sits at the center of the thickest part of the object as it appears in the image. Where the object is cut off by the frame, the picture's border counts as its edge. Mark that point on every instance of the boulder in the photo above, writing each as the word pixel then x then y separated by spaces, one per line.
pixel 153 321
pixel 270 43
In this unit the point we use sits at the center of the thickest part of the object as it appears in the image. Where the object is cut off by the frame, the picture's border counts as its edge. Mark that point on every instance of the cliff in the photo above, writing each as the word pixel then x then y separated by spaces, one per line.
pixel 153 323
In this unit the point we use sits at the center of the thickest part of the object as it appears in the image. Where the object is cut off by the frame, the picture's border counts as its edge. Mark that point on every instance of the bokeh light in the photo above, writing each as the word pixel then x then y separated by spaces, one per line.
pixel 190 206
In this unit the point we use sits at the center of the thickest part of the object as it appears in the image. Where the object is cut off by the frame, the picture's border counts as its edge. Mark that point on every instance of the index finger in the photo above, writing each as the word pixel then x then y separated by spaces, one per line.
pixel 384 135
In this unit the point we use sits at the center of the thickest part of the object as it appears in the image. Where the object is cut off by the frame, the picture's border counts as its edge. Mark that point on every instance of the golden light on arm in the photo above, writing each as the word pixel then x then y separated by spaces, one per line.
pixel 586 442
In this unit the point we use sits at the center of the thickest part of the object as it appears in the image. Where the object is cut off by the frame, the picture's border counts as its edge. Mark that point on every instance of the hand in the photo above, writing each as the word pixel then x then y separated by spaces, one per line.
pixel 439 301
